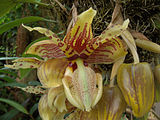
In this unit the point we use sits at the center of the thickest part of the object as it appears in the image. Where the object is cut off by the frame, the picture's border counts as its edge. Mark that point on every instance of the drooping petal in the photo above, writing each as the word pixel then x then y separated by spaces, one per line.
pixel 157 82
pixel 148 45
pixel 81 34
pixel 137 85
pixel 68 51
pixel 25 63
pixel 83 87
pixel 57 99
pixel 46 49
pixel 107 35
pixel 110 107
pixel 44 110
pixel 108 52
pixel 51 72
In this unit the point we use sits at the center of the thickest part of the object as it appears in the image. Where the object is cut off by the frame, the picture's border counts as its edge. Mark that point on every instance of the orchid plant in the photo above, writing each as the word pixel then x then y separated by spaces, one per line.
pixel 65 69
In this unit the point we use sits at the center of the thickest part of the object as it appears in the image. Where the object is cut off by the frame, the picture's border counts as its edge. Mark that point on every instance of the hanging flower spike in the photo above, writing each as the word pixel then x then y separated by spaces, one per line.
pixel 47 49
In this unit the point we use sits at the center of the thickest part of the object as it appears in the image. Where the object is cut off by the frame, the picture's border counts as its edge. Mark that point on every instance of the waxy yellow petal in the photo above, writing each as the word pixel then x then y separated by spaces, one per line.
pixel 108 52
pixel 51 72
pixel 83 87
pixel 107 35
pixel 25 63
pixel 46 49
pixel 63 46
pixel 137 85
pixel 110 107
pixel 81 34
pixel 148 45
pixel 44 110
pixel 57 99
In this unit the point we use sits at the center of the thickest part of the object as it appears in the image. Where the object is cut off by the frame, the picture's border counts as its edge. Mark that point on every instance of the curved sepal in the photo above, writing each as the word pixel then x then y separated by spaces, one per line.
pixel 57 99
pixel 112 32
pixel 157 82
pixel 34 89
pixel 148 45
pixel 68 51
pixel 137 85
pixel 81 33
pixel 44 110
pixel 83 87
pixel 108 52
pixel 51 72
pixel 25 63
pixel 46 49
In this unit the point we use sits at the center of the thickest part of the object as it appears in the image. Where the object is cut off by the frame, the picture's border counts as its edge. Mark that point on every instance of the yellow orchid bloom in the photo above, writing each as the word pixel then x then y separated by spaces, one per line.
pixel 64 70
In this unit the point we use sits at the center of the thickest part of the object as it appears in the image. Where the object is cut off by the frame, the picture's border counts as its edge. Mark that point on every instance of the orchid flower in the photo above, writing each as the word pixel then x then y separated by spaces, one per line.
pixel 65 69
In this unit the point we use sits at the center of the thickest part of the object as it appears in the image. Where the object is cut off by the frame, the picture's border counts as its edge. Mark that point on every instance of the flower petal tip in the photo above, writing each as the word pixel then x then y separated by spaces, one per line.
pixel 90 13
pixel 126 22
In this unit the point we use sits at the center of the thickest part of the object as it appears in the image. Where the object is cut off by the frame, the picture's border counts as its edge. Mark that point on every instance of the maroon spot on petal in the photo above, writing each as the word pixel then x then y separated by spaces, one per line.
pixel 60 44
pixel 85 63
pixel 70 64
pixel 31 66
pixel 58 40
pixel 50 37
pixel 83 56
pixel 20 64
pixel 73 57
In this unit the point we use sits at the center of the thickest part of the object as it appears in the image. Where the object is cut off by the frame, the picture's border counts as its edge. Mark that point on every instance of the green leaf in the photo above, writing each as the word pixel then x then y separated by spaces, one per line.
pixel 8 58
pixel 9 115
pixel 7 78
pixel 13 84
pixel 15 105
pixel 7 71
pixel 33 109
pixel 32 83
pixel 34 2
pixel 17 22
pixel 6 6
pixel 24 72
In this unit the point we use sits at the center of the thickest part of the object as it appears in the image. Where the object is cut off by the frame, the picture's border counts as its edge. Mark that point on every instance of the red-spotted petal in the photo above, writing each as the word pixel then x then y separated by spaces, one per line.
pixel 83 87
pixel 108 52
pixel 81 34
pixel 68 51
pixel 46 49
pixel 107 35
pixel 25 63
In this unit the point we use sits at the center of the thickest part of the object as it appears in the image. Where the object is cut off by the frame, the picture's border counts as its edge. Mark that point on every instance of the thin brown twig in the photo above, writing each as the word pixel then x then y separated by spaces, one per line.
pixel 62 6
